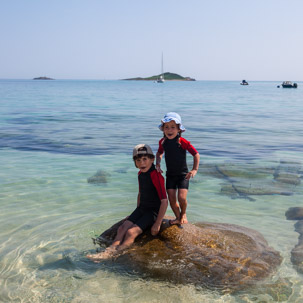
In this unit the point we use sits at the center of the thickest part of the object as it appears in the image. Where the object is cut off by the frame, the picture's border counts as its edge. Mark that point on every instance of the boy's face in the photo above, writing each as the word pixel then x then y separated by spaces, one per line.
pixel 144 163
pixel 170 129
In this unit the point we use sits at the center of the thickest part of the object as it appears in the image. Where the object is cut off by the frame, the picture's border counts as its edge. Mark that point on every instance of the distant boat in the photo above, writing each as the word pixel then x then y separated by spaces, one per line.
pixel 244 82
pixel 161 77
pixel 289 84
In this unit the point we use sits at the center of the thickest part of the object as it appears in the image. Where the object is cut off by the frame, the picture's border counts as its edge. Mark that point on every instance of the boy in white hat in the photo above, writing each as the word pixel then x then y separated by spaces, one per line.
pixel 174 147
pixel 151 204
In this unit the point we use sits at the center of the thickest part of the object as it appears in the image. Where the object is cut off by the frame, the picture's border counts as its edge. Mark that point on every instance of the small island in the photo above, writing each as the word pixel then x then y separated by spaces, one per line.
pixel 43 78
pixel 167 76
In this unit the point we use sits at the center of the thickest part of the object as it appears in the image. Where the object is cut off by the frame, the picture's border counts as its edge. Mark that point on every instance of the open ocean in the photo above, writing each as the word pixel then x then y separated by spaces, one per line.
pixel 55 135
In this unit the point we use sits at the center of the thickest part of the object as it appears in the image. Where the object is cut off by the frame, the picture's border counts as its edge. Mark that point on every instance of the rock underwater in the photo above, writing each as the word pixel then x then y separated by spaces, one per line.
pixel 99 177
pixel 242 180
pixel 296 213
pixel 213 255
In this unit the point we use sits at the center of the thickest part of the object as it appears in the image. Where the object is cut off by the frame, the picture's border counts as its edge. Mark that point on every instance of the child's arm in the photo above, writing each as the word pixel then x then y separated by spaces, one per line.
pixel 158 161
pixel 156 227
pixel 193 172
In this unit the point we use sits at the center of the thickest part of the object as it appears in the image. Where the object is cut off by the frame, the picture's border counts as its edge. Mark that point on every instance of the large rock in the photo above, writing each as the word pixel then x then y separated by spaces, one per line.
pixel 216 255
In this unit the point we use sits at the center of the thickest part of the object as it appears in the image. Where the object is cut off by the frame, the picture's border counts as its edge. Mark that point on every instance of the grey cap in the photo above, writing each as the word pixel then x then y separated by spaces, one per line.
pixel 142 149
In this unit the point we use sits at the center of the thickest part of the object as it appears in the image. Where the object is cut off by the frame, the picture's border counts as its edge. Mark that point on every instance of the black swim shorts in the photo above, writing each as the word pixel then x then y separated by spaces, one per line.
pixel 174 182
pixel 144 218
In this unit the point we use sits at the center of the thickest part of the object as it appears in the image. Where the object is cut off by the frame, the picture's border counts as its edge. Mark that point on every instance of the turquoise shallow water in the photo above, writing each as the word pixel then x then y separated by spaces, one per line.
pixel 54 135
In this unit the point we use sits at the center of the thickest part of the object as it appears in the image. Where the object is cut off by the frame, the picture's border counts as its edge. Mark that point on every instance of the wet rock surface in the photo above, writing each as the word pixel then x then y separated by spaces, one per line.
pixel 214 255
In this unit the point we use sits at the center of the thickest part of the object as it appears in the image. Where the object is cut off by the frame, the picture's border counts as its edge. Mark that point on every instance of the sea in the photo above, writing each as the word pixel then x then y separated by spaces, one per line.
pixel 67 174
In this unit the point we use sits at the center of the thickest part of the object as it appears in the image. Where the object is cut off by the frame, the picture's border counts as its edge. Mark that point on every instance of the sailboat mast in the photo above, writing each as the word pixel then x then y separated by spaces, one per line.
pixel 162 65
pixel 161 76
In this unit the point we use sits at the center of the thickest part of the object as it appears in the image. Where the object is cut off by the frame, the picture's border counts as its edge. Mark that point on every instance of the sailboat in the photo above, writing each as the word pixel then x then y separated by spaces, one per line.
pixel 161 78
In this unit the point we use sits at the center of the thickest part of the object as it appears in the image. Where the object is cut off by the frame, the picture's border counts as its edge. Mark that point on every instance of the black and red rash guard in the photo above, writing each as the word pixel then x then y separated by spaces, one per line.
pixel 151 189
pixel 175 155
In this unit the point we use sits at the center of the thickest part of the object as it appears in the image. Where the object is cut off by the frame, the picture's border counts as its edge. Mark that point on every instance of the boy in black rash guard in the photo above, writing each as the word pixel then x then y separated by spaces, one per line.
pixel 177 174
pixel 151 204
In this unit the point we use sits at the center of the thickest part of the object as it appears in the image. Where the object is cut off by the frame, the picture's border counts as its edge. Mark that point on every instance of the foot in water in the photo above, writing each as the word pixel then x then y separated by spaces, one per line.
pixel 107 254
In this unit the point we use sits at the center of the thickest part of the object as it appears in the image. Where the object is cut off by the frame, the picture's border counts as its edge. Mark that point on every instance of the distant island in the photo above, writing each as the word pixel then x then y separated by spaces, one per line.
pixel 43 78
pixel 167 77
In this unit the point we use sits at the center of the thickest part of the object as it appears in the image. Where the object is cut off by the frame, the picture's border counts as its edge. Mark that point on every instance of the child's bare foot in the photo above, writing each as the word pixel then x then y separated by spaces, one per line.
pixel 183 219
pixel 107 254
pixel 174 222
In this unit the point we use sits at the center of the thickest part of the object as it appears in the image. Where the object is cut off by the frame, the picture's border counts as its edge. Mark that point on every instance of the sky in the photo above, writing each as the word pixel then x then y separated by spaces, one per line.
pixel 257 40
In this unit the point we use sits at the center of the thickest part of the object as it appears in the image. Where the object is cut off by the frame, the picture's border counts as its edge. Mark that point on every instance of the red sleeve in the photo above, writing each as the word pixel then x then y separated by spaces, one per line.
pixel 187 145
pixel 158 181
pixel 160 149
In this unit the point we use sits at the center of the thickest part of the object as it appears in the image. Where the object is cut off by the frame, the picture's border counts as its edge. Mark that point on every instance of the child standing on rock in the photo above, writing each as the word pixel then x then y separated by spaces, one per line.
pixel 174 147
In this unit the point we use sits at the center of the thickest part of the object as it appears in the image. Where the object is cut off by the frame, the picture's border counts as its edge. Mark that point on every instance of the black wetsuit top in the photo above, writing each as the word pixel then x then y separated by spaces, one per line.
pixel 151 188
pixel 175 157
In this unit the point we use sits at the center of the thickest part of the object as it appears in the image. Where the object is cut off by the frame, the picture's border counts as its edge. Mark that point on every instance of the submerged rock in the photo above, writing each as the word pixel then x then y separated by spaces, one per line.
pixel 297 257
pixel 280 291
pixel 241 180
pixel 215 255
pixel 235 171
pixel 296 213
pixel 288 172
pixel 99 178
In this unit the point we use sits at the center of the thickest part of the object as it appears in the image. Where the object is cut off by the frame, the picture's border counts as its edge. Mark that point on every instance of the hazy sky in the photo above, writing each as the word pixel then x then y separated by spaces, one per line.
pixel 115 39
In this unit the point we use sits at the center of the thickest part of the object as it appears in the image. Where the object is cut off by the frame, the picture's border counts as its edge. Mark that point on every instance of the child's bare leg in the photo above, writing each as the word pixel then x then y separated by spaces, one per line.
pixel 122 230
pixel 121 233
pixel 182 198
pixel 130 236
pixel 172 197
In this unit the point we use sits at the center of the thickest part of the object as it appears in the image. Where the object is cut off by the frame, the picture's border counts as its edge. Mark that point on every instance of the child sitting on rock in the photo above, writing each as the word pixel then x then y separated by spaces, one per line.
pixel 151 204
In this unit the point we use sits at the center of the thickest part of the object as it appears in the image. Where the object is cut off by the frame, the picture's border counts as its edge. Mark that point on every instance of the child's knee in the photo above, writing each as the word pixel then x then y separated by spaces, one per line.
pixel 182 200
pixel 124 227
pixel 132 232
pixel 182 196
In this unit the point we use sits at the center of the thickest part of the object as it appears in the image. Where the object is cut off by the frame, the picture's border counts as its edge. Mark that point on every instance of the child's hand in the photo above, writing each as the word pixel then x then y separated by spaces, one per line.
pixel 158 168
pixel 191 174
pixel 155 229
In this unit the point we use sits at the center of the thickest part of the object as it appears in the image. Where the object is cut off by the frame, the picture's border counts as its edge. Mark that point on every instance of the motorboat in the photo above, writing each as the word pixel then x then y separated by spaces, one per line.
pixel 289 84
pixel 244 82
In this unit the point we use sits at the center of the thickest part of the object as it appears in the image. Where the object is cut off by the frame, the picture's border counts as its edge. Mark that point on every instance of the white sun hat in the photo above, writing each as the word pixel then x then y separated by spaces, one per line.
pixel 172 117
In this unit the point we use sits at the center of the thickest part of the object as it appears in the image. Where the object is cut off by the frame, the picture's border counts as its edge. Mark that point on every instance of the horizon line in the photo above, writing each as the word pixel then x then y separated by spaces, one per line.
pixel 98 79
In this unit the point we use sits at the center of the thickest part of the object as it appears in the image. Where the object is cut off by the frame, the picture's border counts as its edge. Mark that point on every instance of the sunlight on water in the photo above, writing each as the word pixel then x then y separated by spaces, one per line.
pixel 54 138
